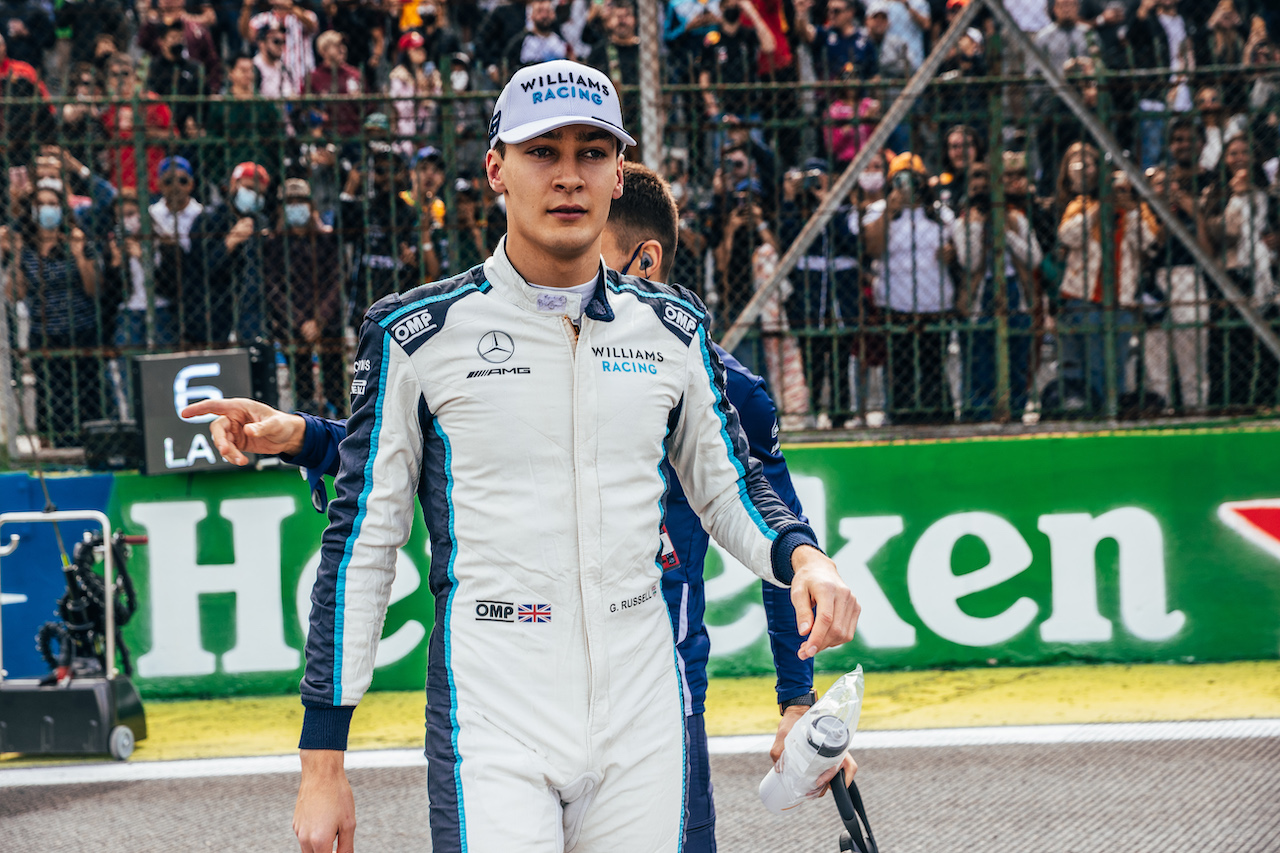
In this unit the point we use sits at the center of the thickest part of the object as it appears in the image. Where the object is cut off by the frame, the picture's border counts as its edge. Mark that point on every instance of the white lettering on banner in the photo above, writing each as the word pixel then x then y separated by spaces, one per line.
pixel 184 394
pixel 390 649
pixel 199 449
pixel 177 582
pixel 1074 539
pixel 751 625
pixel 935 588
pixel 879 626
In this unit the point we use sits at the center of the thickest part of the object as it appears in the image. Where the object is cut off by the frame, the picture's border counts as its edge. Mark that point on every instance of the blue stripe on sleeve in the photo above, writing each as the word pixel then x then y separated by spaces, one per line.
pixel 750 507
pixel 340 598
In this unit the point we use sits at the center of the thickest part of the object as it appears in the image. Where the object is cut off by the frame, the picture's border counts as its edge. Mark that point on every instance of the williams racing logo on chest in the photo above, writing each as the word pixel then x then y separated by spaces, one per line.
pixel 644 361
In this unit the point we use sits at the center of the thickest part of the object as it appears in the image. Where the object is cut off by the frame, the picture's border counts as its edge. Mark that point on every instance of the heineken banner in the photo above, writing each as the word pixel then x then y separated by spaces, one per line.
pixel 1121 547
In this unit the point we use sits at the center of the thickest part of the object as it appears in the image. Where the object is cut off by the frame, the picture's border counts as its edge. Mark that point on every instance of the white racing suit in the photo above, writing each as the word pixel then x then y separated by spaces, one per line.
pixel 554 718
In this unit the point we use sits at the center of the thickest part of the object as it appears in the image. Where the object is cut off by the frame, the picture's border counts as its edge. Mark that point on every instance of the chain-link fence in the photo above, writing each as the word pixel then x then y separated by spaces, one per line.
pixel 991 264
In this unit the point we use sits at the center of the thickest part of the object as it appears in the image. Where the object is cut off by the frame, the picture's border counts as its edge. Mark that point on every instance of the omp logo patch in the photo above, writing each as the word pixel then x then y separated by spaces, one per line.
pixel 495 611
pixel 413 326
pixel 679 318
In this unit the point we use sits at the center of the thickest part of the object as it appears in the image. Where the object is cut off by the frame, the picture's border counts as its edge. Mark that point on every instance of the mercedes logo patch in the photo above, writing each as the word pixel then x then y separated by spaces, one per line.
pixel 496 347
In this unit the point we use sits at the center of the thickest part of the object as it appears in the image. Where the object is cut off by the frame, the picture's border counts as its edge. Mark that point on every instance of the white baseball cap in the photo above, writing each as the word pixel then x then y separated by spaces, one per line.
pixel 548 95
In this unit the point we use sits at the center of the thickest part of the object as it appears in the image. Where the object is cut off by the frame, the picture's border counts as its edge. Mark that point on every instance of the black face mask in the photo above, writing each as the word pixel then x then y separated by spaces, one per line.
pixel 982 201
pixel 732 15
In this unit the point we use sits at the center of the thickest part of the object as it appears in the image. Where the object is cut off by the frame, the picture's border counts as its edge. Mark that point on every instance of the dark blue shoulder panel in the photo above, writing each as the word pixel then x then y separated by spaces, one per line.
pixel 677 307
pixel 413 317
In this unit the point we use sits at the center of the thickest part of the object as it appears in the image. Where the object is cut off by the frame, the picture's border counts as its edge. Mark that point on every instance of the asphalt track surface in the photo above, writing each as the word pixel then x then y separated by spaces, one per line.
pixel 1128 796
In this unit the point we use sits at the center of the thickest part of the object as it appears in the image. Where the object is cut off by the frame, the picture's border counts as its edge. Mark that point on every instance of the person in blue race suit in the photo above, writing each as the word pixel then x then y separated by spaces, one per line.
pixel 640 238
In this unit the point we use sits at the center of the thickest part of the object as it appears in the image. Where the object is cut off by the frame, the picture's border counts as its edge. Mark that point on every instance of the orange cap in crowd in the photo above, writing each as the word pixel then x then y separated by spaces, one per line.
pixel 904 161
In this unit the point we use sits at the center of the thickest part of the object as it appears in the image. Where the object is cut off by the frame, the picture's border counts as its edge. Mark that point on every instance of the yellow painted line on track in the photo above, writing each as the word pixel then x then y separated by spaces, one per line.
pixel 894 700
pixel 1022 696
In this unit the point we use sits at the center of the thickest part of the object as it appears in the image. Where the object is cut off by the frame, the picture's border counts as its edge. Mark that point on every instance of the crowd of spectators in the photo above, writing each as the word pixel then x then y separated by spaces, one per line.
pixel 200 174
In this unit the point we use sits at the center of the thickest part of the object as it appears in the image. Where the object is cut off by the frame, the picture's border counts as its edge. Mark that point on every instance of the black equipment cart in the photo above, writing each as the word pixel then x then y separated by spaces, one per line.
pixel 85 706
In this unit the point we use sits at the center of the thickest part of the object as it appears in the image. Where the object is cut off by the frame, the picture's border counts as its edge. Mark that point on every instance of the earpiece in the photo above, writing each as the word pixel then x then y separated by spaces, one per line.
pixel 645 262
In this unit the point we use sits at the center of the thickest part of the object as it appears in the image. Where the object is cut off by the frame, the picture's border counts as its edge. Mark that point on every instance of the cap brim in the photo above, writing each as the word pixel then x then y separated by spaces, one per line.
pixel 527 131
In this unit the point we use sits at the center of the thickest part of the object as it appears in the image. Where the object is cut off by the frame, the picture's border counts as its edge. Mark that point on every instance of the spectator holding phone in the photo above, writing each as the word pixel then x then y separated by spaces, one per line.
pixel 193 43
pixel 1236 228
pixel 226 250
pixel 57 276
pixel 1083 320
pixel 179 285
pixel 979 300
pixel 303 273
pixel 746 226
pixel 910 238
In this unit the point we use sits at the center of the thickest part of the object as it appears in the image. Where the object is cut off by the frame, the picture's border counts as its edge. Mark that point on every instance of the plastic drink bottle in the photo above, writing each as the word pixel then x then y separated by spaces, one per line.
pixel 814 745
pixel 821 747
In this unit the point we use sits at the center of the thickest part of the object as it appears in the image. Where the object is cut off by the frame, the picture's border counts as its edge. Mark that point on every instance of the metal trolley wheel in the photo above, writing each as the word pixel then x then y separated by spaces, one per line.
pixel 120 743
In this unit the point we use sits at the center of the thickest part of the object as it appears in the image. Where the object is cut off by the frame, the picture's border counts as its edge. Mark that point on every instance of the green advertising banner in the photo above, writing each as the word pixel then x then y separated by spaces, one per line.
pixel 1120 547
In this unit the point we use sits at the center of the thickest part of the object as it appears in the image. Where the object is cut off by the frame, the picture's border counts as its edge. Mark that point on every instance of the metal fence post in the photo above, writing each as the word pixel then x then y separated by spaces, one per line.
pixel 9 424
pixel 1107 214
pixel 1001 413
pixel 651 115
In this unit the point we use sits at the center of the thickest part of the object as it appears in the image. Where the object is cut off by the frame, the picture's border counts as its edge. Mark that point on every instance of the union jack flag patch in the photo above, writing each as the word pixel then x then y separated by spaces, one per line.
pixel 533 613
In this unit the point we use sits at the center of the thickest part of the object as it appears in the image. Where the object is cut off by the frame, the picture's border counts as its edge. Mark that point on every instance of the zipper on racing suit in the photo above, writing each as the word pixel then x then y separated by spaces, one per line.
pixel 572 335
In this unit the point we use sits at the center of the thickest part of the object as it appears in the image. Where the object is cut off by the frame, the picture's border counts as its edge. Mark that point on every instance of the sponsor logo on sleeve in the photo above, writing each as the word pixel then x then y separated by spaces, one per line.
pixel 360 368
pixel 668 558
pixel 679 318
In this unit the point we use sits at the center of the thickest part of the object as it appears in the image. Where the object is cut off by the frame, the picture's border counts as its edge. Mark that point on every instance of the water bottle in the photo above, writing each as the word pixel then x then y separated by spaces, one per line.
pixel 819 747
pixel 814 745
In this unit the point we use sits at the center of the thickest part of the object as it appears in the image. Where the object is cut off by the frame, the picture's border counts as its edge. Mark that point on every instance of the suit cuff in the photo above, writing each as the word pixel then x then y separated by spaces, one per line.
pixel 784 545
pixel 787 692
pixel 309 456
pixel 325 728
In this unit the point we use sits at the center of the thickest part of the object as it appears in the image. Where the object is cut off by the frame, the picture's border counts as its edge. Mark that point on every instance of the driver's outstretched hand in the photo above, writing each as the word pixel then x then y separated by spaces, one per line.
pixel 246 426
